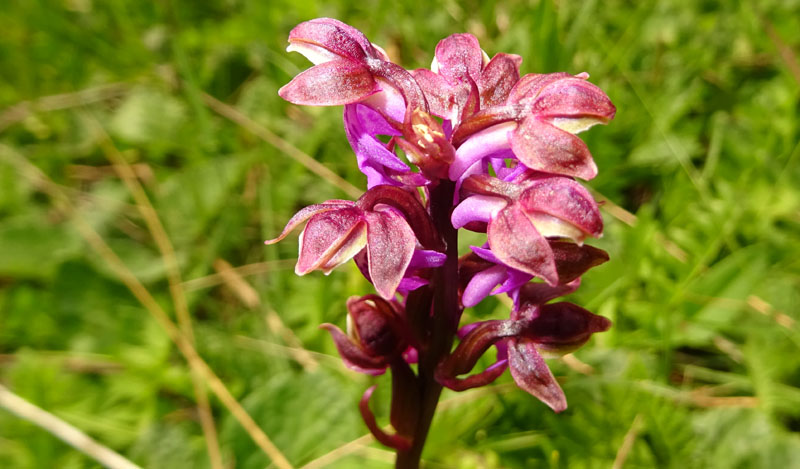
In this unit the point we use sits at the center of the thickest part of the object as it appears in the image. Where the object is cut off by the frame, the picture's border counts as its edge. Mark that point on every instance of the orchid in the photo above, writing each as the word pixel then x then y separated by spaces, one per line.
pixel 466 144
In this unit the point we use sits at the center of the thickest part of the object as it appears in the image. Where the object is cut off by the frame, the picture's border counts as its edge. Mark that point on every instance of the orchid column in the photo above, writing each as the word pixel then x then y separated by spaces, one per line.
pixel 485 150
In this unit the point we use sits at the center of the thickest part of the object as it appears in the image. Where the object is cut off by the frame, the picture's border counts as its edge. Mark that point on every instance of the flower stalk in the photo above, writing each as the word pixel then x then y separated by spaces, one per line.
pixel 485 150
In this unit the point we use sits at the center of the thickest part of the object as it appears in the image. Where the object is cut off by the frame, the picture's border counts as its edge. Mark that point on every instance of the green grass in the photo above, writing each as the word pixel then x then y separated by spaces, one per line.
pixel 703 288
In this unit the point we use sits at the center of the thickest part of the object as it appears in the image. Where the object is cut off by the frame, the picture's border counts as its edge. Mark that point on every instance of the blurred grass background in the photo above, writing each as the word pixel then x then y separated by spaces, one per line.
pixel 113 111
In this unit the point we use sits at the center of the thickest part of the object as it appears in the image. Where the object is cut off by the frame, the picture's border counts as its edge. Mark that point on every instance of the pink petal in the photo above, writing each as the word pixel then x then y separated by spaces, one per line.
pixel 476 380
pixel 326 234
pixel 565 199
pixel 410 206
pixel 498 78
pixel 484 184
pixel 459 58
pixel 543 147
pixel 515 241
pixel 333 83
pixel 574 98
pixel 308 212
pixel 531 373
pixel 335 36
pixel 532 295
pixel 440 94
pixel 472 347
pixel 376 327
pixel 483 120
pixel 390 246
pixel 529 86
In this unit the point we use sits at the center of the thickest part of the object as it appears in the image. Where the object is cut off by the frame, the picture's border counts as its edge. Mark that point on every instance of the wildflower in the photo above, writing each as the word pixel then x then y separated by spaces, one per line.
pixel 520 215
pixel 485 150
pixel 535 330
pixel 536 126
pixel 377 223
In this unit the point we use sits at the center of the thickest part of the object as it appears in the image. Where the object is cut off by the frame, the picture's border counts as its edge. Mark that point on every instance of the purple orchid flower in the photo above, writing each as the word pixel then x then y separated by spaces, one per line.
pixel 519 217
pixel 375 340
pixel 347 69
pixel 378 223
pixel 487 272
pixel 537 124
pixel 374 337
pixel 535 331
pixel 486 150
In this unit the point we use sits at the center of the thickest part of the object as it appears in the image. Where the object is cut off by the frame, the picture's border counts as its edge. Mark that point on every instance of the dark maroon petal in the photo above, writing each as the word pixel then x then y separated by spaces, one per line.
pixel 575 98
pixel 532 295
pixel 474 345
pixel 390 246
pixel 560 328
pixel 459 58
pixel 529 86
pixel 565 199
pixel 308 212
pixel 544 147
pixel 472 103
pixel 397 442
pixel 498 78
pixel 337 37
pixel 531 373
pixel 376 326
pixel 517 243
pixel 476 380
pixel 333 83
pixel 573 260
pixel 354 357
pixel 326 234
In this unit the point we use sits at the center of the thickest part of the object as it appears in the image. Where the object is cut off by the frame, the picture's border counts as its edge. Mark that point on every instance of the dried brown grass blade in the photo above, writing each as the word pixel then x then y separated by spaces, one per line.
pixel 97 243
pixel 62 430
